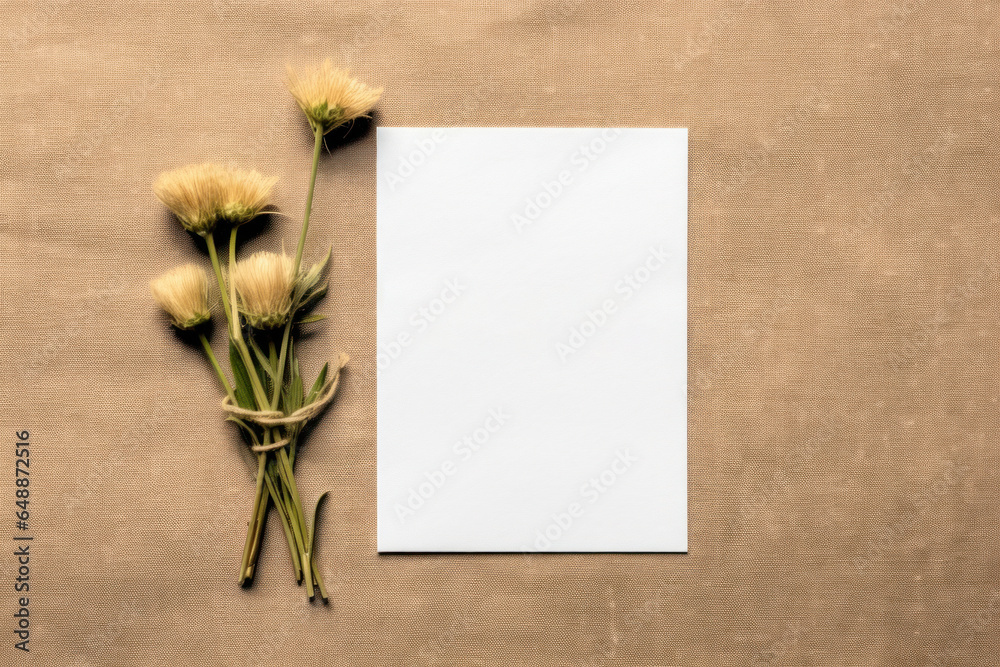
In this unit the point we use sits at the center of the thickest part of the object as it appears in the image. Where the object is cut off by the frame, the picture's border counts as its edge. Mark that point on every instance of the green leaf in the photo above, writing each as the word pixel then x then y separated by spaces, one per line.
pixel 292 391
pixel 318 385
pixel 312 526
pixel 264 367
pixel 262 360
pixel 307 283
pixel 243 389
pixel 295 388
pixel 315 317
pixel 311 298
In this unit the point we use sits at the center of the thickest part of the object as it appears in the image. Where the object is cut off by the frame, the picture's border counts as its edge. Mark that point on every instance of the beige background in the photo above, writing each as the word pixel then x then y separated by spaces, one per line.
pixel 843 378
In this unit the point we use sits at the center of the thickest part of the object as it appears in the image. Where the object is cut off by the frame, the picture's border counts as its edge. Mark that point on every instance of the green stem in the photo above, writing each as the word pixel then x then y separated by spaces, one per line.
pixel 251 547
pixel 286 526
pixel 256 530
pixel 289 478
pixel 291 520
pixel 319 582
pixel 297 533
pixel 258 533
pixel 274 478
pixel 214 256
pixel 236 330
pixel 280 371
pixel 251 527
pixel 218 369
pixel 317 147
pixel 285 470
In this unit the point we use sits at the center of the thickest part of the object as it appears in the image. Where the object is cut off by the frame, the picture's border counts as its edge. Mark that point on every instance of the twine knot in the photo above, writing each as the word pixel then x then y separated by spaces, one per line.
pixel 272 418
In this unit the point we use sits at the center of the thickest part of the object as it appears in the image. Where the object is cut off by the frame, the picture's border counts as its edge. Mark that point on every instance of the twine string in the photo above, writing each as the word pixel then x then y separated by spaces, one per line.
pixel 272 418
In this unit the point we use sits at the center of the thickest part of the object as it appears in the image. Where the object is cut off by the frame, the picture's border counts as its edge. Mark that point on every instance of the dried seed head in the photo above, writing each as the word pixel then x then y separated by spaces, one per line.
pixel 243 195
pixel 264 283
pixel 183 293
pixel 329 96
pixel 203 195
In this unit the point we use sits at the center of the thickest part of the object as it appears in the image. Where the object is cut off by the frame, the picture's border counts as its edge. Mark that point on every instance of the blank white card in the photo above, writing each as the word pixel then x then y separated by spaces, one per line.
pixel 532 340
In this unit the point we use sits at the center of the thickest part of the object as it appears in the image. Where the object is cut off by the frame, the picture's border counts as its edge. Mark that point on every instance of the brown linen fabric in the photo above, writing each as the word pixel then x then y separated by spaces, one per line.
pixel 843 380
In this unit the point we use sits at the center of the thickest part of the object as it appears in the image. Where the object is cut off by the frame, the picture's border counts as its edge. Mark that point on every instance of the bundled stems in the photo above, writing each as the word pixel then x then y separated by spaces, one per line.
pixel 292 514
pixel 268 484
pixel 260 295
pixel 250 546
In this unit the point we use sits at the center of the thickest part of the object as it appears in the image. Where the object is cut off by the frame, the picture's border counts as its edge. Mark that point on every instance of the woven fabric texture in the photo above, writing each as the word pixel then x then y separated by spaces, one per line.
pixel 843 380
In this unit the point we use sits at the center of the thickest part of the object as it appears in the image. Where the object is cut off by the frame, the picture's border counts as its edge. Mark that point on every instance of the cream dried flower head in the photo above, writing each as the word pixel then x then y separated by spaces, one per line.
pixel 264 283
pixel 183 293
pixel 329 96
pixel 243 195
pixel 203 195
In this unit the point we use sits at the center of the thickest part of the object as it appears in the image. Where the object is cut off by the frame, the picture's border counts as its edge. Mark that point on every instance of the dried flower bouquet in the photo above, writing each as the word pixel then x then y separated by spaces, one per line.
pixel 263 297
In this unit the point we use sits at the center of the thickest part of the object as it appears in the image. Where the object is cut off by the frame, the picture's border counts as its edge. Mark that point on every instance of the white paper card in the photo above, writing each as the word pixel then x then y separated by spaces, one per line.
pixel 532 340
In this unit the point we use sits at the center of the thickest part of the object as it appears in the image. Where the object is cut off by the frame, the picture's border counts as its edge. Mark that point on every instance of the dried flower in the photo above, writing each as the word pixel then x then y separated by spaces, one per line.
pixel 203 195
pixel 243 195
pixel 265 391
pixel 330 97
pixel 183 293
pixel 264 283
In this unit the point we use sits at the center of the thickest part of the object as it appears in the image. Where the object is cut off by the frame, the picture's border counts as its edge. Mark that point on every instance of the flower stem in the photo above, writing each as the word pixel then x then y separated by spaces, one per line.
pixel 298 540
pixel 319 582
pixel 245 570
pixel 251 547
pixel 215 364
pixel 317 148
pixel 258 532
pixel 236 333
pixel 288 478
pixel 214 256
pixel 280 370
pixel 286 526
